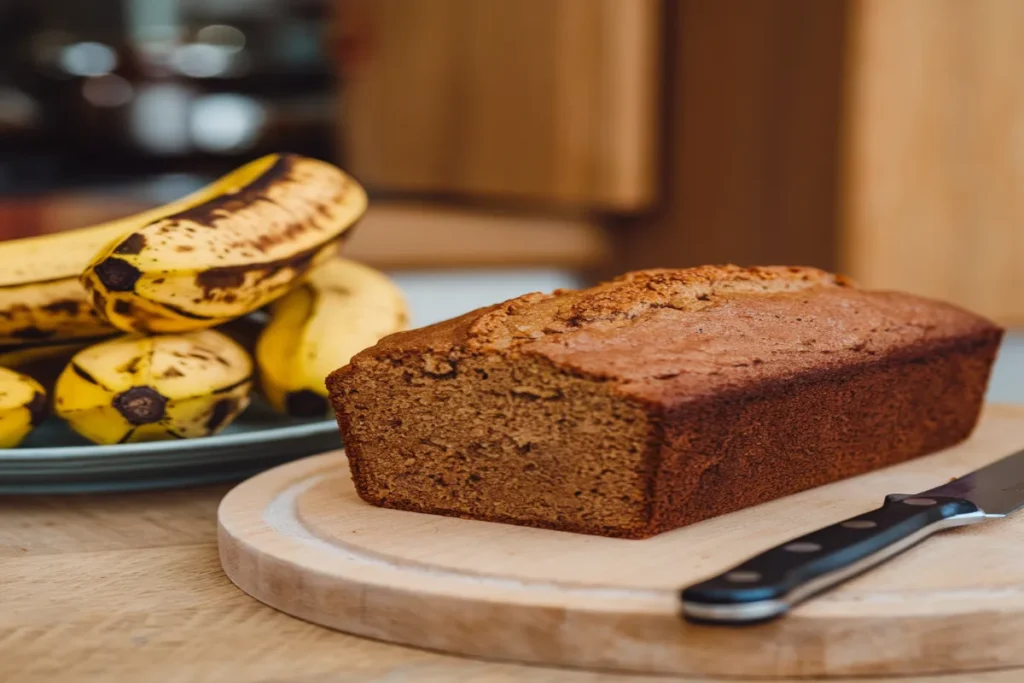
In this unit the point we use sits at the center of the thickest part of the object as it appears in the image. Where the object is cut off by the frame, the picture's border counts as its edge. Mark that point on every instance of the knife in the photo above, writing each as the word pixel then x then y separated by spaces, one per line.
pixel 768 585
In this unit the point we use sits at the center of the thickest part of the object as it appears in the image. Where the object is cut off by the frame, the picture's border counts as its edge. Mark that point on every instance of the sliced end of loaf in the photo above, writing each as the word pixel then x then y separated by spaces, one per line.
pixel 533 446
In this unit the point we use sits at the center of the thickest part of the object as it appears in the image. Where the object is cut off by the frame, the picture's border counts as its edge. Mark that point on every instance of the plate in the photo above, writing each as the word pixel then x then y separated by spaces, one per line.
pixel 54 459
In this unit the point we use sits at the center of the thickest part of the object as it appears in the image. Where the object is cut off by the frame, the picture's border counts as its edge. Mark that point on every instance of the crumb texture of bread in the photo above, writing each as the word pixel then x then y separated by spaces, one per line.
pixel 658 399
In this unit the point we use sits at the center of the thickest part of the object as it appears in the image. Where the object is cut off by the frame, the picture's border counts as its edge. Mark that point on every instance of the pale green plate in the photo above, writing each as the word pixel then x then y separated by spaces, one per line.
pixel 56 460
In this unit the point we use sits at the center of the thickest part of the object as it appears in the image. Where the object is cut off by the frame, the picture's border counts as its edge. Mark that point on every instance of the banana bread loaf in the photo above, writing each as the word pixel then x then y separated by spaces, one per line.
pixel 659 399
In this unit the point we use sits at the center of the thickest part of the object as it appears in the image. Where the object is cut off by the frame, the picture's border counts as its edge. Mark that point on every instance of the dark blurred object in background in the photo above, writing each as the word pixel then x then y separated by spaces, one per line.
pixel 882 138
pixel 107 90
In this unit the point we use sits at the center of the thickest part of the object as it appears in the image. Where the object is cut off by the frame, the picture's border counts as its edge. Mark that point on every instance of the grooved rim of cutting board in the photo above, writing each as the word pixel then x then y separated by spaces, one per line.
pixel 298 539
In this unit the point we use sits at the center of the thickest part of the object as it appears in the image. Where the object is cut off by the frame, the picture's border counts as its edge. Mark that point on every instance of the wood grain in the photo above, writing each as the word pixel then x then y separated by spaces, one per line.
pixel 298 538
pixel 128 587
pixel 545 101
pixel 935 151
pixel 751 137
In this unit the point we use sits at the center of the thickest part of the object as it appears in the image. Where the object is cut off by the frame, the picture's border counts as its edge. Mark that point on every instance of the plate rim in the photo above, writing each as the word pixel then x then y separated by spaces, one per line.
pixel 243 438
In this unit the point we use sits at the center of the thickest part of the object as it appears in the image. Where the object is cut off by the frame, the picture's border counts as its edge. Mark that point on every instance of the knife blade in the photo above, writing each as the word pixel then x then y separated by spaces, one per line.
pixel 768 585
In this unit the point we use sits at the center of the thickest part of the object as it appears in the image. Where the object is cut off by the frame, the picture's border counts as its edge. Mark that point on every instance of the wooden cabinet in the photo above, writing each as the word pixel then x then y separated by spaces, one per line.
pixel 934 192
pixel 548 102
pixel 883 138
pixel 753 105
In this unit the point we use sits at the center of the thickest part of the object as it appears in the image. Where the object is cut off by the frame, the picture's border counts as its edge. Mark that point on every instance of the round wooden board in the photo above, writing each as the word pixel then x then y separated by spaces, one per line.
pixel 299 539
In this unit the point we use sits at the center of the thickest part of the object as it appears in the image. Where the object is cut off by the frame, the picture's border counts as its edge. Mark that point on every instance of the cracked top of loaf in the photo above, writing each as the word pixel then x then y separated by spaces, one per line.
pixel 669 335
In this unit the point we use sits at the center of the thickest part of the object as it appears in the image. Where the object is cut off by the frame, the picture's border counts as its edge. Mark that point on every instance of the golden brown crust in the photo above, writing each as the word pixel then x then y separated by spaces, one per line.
pixel 670 334
pixel 630 296
pixel 533 316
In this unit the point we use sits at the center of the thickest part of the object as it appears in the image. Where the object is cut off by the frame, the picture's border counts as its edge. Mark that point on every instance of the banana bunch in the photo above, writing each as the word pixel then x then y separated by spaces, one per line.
pixel 257 233
pixel 22 406
pixel 215 254
pixel 41 294
pixel 138 388
pixel 341 309
pixel 118 318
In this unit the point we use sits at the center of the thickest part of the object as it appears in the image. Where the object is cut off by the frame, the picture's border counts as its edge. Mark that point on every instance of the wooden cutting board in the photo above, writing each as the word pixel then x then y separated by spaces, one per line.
pixel 299 539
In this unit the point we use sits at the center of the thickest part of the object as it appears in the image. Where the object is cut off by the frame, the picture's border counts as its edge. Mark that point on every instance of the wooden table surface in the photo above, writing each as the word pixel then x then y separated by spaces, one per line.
pixel 128 587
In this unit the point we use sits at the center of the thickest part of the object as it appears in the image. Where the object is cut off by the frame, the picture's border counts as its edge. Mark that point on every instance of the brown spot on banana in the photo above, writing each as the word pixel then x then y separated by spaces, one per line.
pixel 266 241
pixel 232 277
pixel 131 366
pixel 221 278
pixel 81 372
pixel 133 244
pixel 141 405
pixel 206 215
pixel 122 307
pixel 67 306
pixel 118 275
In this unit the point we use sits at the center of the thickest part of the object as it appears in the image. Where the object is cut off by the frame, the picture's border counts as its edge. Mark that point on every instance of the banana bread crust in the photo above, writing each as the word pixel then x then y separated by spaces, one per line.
pixel 658 399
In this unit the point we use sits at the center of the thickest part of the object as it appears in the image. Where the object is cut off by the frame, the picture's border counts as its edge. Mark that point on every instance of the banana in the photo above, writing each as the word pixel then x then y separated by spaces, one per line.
pixel 228 255
pixel 33 309
pixel 43 362
pixel 148 388
pixel 41 295
pixel 20 355
pixel 341 309
pixel 22 406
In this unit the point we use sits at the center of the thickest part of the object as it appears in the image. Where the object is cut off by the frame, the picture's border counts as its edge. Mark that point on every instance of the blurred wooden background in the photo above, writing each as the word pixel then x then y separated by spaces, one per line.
pixel 881 137
pixel 537 101
pixel 934 161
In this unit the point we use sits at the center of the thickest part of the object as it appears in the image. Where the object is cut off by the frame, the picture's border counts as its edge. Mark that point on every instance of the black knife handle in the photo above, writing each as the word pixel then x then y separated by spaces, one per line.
pixel 766 586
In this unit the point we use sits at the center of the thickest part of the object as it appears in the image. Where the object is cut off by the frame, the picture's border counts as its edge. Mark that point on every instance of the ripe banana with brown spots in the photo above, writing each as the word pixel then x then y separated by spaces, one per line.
pixel 20 355
pixel 342 308
pixel 231 254
pixel 173 386
pixel 22 406
pixel 46 303
pixel 41 294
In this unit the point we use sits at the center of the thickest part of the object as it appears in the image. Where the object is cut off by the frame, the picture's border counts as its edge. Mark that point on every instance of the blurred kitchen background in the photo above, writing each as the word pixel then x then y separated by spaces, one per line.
pixel 520 145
